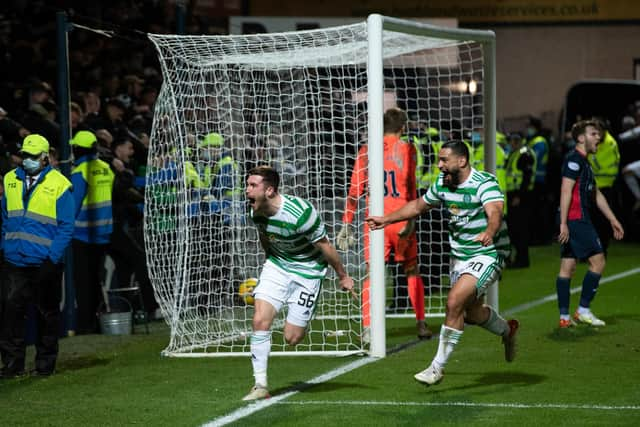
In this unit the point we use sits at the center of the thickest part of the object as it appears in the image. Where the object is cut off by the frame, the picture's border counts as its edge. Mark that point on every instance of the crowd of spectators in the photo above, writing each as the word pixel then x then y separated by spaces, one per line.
pixel 113 83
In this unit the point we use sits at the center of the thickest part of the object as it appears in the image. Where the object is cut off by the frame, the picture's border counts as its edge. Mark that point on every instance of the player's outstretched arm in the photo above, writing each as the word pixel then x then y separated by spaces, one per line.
pixel 331 255
pixel 410 210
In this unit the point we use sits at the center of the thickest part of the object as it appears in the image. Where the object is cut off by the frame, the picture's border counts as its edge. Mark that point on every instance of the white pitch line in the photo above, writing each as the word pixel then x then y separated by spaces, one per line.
pixel 466 404
pixel 262 404
pixel 257 406
pixel 554 297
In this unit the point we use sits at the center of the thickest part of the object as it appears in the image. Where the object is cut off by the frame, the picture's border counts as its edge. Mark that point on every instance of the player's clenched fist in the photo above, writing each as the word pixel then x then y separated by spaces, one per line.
pixel 375 222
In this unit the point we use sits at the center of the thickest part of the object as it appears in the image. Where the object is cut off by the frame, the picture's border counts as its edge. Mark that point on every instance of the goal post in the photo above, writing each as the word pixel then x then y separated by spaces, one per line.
pixel 377 25
pixel 302 102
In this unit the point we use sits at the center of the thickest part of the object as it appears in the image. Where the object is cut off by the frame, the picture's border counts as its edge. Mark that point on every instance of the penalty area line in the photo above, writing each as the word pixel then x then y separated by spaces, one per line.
pixel 467 404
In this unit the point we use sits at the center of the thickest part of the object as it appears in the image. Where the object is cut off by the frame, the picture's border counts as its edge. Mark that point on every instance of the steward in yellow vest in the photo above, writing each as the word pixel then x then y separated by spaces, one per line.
pixel 605 162
pixel 218 171
pixel 92 181
pixel 37 225
pixel 37 219
pixel 520 176
pixel 424 144
pixel 540 147
pixel 501 160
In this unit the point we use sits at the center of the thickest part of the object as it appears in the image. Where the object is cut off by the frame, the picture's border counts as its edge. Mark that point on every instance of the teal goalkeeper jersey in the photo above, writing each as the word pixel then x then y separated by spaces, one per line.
pixel 290 234
pixel 467 216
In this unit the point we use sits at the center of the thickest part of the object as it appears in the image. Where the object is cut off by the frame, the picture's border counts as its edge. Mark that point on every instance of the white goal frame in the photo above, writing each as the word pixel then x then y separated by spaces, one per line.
pixel 376 25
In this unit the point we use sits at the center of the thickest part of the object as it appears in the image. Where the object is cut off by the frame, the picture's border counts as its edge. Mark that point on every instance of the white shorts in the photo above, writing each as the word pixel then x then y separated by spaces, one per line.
pixel 633 167
pixel 279 287
pixel 484 268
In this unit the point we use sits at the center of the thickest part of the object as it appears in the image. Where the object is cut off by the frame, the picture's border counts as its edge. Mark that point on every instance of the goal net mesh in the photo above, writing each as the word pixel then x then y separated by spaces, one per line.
pixel 298 102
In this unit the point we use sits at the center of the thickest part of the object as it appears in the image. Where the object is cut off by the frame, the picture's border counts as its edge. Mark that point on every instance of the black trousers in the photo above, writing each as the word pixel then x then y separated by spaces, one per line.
pixel 541 225
pixel 127 251
pixel 519 224
pixel 88 265
pixel 22 286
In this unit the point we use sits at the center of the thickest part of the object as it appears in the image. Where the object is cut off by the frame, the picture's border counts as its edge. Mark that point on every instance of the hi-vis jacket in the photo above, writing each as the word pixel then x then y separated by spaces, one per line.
pixel 92 181
pixel 38 223
pixel 606 161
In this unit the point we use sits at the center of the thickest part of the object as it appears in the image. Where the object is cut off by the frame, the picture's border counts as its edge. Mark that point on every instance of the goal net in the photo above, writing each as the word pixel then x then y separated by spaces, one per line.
pixel 300 102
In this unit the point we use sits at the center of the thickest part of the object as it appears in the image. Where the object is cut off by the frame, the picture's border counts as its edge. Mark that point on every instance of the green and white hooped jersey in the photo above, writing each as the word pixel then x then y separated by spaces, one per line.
pixel 290 234
pixel 467 215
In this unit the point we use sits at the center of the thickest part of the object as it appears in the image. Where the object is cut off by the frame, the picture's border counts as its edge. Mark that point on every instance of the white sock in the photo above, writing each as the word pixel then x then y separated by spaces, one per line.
pixel 583 310
pixel 449 337
pixel 564 317
pixel 260 349
pixel 632 183
pixel 496 324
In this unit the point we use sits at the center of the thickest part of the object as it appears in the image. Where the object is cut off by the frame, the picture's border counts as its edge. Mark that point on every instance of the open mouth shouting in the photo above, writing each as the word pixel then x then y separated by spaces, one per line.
pixel 252 202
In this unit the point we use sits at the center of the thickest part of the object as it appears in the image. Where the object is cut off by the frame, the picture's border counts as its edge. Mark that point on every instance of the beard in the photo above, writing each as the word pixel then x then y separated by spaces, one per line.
pixel 451 179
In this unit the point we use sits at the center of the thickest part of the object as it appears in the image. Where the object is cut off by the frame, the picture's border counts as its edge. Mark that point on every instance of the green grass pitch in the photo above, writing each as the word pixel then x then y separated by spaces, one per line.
pixel 579 377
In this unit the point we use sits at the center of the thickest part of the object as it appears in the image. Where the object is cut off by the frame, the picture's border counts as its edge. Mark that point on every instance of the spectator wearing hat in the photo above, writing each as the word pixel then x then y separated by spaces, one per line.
pixel 218 169
pixel 37 226
pixel 92 181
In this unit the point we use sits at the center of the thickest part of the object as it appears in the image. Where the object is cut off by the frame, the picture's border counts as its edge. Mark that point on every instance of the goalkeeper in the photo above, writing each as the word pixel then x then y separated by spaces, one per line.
pixel 298 251
pixel 399 188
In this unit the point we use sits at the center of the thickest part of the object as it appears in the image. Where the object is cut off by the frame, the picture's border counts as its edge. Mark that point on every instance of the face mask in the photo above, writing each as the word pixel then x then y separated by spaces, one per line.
pixel 31 166
pixel 531 132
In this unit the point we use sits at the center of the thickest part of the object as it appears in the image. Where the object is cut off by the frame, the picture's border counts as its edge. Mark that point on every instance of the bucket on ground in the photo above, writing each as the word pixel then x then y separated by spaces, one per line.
pixel 116 317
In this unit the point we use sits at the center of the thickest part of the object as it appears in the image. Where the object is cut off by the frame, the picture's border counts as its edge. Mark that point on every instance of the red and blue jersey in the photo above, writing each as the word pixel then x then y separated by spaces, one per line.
pixel 577 167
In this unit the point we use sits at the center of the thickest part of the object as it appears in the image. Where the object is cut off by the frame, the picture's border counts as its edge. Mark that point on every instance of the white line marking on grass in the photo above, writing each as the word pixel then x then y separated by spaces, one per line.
pixel 467 404
pixel 258 406
pixel 554 297
pixel 262 404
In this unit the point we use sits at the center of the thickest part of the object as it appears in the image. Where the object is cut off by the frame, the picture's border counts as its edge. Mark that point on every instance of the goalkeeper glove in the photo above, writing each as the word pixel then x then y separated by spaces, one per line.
pixel 345 237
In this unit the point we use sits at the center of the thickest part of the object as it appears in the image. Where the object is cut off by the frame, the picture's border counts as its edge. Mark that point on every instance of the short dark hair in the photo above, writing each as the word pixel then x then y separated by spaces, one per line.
pixel 394 120
pixel 580 127
pixel 457 147
pixel 269 175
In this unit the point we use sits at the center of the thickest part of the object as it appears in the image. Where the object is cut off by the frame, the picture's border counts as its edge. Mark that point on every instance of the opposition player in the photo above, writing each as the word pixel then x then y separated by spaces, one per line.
pixel 479 243
pixel 298 251
pixel 399 188
pixel 578 236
